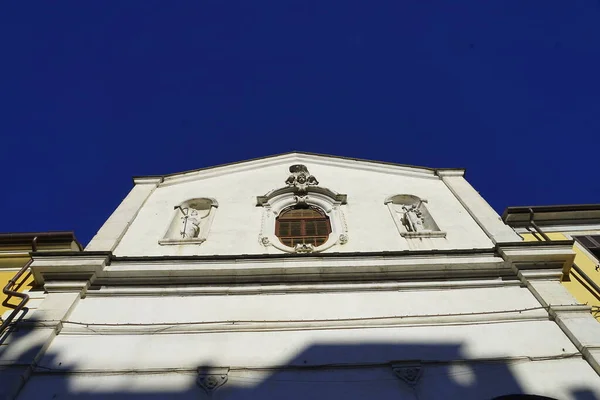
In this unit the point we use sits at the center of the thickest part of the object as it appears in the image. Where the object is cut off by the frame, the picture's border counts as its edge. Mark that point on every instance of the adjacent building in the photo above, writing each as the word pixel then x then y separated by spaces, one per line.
pixel 304 276
pixel 15 276
pixel 578 222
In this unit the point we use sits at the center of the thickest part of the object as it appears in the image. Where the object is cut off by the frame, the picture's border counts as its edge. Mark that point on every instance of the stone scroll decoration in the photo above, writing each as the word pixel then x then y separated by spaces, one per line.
pixel 302 190
pixel 412 217
pixel 300 179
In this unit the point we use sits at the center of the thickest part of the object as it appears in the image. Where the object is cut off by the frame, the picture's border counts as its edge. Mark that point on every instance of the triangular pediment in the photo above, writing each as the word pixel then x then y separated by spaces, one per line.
pixel 296 157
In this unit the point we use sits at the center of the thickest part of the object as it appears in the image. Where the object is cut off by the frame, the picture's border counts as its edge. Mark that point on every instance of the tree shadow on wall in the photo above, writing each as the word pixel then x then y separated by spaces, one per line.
pixel 320 371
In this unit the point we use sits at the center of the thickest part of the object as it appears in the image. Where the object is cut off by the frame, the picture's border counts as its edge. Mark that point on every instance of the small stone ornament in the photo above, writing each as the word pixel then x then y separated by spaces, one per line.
pixel 300 178
pixel 304 248
pixel 343 238
pixel 410 374
pixel 213 379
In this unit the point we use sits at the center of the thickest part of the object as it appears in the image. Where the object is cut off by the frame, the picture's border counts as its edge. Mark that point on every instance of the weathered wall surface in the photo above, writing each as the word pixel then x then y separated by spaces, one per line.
pixel 570 380
pixel 118 346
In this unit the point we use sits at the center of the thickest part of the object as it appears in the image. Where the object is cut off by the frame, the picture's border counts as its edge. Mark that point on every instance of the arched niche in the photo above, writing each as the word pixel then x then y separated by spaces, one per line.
pixel 411 216
pixel 191 221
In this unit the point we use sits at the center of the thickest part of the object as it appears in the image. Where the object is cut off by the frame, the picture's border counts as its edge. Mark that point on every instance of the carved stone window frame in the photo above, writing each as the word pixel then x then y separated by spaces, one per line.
pixel 302 190
pixel 432 233
pixel 329 203
pixel 206 225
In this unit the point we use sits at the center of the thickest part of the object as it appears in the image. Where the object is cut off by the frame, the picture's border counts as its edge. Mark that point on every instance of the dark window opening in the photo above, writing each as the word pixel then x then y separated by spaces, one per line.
pixel 302 226
pixel 591 243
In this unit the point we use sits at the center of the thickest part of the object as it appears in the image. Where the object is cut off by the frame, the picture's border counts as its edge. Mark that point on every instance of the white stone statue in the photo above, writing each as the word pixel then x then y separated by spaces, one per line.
pixel 191 220
pixel 413 218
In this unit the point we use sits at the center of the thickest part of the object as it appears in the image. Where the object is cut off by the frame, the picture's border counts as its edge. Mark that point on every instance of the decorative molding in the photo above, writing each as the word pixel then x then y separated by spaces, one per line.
pixel 302 189
pixel 423 234
pixel 450 172
pixel 300 178
pixel 410 374
pixel 67 286
pixel 80 270
pixel 212 379
pixel 304 248
pixel 262 201
pixel 147 180
pixel 169 242
pixel 308 287
pixel 541 258
pixel 343 239
pixel 296 268
pixel 104 269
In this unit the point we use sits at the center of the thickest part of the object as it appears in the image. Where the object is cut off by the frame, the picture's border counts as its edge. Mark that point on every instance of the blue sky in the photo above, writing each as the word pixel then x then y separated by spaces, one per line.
pixel 94 92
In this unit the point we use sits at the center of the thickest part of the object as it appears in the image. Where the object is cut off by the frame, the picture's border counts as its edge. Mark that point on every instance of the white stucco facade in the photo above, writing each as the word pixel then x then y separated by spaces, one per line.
pixel 459 308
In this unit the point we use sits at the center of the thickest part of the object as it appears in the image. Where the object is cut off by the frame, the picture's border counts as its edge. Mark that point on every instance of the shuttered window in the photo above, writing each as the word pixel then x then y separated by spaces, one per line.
pixel 592 243
pixel 302 226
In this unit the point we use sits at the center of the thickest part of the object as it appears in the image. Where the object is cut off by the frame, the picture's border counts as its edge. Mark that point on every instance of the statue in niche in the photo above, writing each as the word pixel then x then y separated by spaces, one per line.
pixel 191 221
pixel 413 219
pixel 411 216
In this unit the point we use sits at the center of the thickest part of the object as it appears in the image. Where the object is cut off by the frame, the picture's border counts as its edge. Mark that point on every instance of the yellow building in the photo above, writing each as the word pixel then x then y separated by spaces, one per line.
pixel 579 223
pixel 15 257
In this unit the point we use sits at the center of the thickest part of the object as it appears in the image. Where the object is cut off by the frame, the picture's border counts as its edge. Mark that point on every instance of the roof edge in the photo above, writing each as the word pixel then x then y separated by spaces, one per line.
pixel 146 178
pixel 555 209
pixel 27 238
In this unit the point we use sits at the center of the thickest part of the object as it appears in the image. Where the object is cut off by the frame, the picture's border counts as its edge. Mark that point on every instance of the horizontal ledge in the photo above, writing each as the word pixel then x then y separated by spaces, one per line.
pixel 429 234
pixel 296 288
pixel 406 253
pixel 180 277
pixel 552 243
pixel 168 242
pixel 369 254
pixel 340 267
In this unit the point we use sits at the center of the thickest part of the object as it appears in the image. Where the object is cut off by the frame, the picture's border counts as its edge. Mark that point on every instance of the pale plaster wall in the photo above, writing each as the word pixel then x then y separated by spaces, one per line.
pixel 264 349
pixel 237 221
pixel 564 379
pixel 306 306
pixel 532 355
pixel 82 346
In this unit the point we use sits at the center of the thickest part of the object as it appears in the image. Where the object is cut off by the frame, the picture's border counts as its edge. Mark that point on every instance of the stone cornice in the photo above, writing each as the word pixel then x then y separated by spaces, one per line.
pixel 542 260
pixel 307 269
pixel 147 180
pixel 79 268
pixel 315 287
pixel 450 172
pixel 539 258
pixel 103 268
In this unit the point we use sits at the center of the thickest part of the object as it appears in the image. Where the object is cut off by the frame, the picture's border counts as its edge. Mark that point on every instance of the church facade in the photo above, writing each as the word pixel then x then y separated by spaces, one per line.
pixel 304 276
